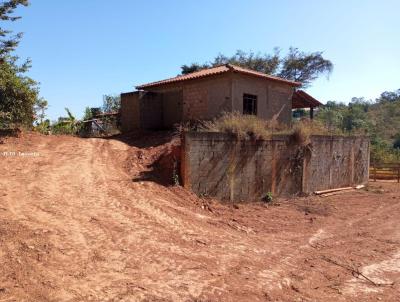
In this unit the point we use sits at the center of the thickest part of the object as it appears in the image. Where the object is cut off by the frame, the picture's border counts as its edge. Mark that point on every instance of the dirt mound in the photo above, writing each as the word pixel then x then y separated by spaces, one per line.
pixel 79 222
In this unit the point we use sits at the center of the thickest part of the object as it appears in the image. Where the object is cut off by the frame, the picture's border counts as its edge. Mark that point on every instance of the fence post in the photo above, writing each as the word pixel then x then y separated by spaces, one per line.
pixel 398 174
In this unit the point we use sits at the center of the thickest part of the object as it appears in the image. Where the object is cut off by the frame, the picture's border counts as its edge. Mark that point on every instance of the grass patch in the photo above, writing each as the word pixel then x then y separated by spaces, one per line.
pixel 250 127
pixel 242 126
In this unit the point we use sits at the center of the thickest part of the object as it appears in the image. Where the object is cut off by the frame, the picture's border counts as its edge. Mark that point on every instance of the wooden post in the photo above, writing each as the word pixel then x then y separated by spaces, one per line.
pixel 311 113
pixel 374 173
pixel 398 173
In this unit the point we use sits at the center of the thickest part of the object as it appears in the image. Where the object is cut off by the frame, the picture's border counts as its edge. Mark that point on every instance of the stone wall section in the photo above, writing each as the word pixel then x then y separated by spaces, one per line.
pixel 217 164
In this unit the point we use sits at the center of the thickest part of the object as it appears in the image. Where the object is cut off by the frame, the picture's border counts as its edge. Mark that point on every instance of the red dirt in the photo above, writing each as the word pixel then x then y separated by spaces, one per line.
pixel 77 223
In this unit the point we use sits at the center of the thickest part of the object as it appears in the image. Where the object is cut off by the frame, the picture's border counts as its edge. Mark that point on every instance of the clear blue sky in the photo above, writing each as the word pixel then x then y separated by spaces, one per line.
pixel 82 50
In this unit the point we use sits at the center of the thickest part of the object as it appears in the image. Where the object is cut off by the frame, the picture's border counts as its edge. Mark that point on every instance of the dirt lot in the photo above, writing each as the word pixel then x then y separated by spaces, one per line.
pixel 82 220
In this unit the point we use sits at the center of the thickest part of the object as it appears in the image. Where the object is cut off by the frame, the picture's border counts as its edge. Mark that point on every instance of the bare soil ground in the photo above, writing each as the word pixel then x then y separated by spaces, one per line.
pixel 80 222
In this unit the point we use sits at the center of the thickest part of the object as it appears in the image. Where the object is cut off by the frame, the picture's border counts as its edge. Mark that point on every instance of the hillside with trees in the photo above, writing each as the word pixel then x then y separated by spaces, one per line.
pixel 379 119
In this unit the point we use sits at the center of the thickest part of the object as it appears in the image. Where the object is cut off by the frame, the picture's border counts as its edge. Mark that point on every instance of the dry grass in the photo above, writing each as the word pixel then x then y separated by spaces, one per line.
pixel 303 129
pixel 242 126
pixel 250 127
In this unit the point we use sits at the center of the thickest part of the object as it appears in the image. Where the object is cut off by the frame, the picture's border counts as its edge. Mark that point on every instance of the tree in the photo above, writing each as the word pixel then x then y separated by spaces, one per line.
pixel 19 94
pixel 331 117
pixel 66 125
pixel 389 96
pixel 9 43
pixel 304 67
pixel 396 144
pixel 40 107
pixel 87 115
pixel 296 65
pixel 111 103
pixel 380 119
pixel 355 118
pixel 193 67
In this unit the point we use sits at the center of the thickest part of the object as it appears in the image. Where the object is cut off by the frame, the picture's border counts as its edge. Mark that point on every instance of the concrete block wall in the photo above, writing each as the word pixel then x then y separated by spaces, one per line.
pixel 205 99
pixel 336 162
pixel 273 98
pixel 219 165
pixel 141 110
pixel 130 111
pixel 195 102
pixel 151 110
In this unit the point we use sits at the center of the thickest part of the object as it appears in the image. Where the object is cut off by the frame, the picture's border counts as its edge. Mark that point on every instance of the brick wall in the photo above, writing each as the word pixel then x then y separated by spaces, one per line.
pixel 195 101
pixel 130 116
pixel 217 164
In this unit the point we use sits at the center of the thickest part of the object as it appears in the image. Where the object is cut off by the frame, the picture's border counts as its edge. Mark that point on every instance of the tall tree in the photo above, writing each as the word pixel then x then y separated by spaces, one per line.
pixel 9 43
pixel 40 108
pixel 111 103
pixel 19 94
pixel 296 65
pixel 304 67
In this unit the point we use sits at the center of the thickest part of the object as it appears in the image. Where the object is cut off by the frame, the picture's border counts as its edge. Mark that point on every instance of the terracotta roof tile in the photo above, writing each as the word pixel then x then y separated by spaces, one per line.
pixel 214 71
pixel 302 99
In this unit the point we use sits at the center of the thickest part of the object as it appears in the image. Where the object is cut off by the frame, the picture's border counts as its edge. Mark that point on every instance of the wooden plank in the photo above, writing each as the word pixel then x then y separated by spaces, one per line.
pixel 333 190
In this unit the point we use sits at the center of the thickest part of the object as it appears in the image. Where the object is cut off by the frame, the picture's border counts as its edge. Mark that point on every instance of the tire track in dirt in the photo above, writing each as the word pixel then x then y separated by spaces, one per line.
pixel 77 228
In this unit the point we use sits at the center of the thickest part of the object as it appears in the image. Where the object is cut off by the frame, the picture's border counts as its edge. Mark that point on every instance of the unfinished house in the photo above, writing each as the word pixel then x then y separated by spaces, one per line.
pixel 205 94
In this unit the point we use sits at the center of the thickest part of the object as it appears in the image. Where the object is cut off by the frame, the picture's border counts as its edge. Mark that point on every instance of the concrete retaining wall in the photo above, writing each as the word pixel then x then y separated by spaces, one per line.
pixel 219 165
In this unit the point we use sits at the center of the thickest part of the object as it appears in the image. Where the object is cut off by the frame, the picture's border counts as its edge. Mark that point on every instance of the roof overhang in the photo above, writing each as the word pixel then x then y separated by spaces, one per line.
pixel 302 99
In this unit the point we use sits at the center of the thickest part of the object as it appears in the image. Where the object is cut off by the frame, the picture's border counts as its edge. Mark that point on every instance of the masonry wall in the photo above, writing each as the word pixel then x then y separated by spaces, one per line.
pixel 201 98
pixel 130 111
pixel 141 110
pixel 172 107
pixel 273 98
pixel 206 98
pixel 151 110
pixel 217 164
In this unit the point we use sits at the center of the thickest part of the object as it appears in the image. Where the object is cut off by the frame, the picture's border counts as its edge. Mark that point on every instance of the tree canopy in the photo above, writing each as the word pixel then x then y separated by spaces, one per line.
pixel 380 119
pixel 19 94
pixel 295 65
pixel 9 43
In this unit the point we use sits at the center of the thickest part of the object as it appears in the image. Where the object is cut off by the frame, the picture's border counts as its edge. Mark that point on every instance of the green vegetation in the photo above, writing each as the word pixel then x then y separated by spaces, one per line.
pixel 111 103
pixel 66 125
pixel 19 94
pixel 379 119
pixel 268 197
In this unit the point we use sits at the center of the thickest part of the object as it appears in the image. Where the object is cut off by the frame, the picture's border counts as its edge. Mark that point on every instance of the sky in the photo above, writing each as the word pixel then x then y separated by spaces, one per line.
pixel 82 50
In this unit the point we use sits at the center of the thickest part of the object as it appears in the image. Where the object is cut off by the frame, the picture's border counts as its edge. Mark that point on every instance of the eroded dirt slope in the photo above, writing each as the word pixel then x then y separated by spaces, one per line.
pixel 83 220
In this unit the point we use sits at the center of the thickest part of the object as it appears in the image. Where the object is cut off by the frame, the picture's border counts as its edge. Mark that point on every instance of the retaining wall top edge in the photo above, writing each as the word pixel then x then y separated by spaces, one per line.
pixel 220 136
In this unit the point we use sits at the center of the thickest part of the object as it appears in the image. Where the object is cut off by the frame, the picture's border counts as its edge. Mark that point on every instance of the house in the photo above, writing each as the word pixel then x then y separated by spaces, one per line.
pixel 204 94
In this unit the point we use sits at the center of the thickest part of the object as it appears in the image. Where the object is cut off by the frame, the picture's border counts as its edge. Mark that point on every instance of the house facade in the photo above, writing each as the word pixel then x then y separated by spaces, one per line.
pixel 205 94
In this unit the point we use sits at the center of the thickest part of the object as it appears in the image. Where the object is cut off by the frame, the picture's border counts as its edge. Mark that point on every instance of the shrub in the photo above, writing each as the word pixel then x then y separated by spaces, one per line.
pixel 268 197
pixel 242 126
pixel 303 129
pixel 396 143
pixel 5 120
pixel 43 127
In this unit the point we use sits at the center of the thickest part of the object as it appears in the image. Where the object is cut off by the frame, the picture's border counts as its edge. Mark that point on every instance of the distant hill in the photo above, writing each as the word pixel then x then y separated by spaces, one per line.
pixel 380 119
